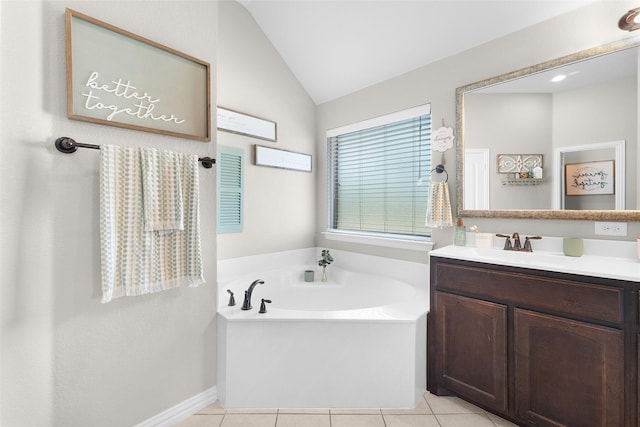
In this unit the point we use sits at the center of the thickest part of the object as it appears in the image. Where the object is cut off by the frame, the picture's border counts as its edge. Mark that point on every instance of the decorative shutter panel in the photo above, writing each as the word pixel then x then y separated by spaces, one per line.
pixel 230 189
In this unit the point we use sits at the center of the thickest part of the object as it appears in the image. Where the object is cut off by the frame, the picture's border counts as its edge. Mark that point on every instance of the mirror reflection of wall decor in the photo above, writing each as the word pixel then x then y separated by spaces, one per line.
pixel 589 178
pixel 518 163
pixel 117 78
pixel 245 124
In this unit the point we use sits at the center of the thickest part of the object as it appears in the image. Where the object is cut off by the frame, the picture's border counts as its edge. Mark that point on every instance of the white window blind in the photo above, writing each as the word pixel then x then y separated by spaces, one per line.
pixel 379 177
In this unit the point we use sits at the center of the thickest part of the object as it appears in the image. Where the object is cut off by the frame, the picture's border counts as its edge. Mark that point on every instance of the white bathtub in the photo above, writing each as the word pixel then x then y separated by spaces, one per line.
pixel 357 340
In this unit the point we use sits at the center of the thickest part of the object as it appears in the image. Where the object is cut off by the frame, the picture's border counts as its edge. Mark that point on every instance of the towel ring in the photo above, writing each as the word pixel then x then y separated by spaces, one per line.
pixel 440 169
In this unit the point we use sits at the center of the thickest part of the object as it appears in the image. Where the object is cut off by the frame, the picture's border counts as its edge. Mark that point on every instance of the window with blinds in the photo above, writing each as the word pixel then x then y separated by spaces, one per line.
pixel 379 176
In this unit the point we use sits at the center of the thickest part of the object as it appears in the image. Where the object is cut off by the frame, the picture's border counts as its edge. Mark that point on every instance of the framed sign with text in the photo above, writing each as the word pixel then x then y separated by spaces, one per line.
pixel 246 124
pixel 589 178
pixel 120 79
pixel 282 159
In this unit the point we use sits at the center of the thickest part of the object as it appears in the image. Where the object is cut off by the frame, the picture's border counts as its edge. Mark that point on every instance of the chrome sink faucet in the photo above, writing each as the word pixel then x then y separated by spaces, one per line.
pixel 246 305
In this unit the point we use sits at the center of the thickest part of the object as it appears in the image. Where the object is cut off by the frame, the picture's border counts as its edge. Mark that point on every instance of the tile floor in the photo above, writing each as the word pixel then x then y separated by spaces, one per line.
pixel 432 411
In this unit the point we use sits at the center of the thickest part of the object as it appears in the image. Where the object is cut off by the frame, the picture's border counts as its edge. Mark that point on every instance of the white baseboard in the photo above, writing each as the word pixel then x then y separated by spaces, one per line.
pixel 182 410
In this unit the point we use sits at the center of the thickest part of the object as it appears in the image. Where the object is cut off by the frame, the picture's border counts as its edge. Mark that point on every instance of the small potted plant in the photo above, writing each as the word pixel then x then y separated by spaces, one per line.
pixel 324 261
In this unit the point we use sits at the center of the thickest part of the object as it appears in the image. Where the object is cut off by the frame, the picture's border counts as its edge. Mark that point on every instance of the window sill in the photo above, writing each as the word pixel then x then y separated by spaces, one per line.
pixel 417 244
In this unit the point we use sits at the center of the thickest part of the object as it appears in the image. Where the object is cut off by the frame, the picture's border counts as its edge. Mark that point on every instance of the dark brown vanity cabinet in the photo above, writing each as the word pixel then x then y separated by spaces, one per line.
pixel 473 350
pixel 567 372
pixel 540 348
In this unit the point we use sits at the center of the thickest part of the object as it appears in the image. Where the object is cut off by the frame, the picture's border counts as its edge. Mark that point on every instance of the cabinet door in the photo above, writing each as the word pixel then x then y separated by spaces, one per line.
pixel 567 373
pixel 471 349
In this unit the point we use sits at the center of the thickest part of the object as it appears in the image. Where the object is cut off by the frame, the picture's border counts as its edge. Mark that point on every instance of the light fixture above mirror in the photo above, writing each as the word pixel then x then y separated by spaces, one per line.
pixel 630 21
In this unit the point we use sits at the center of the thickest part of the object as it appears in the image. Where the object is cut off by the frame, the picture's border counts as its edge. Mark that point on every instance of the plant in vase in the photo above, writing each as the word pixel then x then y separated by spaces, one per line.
pixel 324 261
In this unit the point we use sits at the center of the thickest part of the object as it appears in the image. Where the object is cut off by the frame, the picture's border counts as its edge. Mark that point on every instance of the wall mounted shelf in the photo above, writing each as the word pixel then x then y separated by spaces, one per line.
pixel 522 181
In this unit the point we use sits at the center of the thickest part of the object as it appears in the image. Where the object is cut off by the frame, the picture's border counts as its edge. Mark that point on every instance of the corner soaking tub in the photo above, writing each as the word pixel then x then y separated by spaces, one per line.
pixel 357 340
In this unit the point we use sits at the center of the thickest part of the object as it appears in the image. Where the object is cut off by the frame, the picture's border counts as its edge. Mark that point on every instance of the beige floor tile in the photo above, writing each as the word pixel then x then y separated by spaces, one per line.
pixel 252 411
pixel 356 411
pixel 450 405
pixel 421 408
pixel 464 420
pixel 249 420
pixel 214 408
pixel 410 420
pixel 202 421
pixel 500 422
pixel 303 420
pixel 362 420
pixel 303 411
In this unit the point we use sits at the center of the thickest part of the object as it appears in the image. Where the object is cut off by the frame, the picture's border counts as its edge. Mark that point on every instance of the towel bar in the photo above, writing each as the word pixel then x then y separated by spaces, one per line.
pixel 68 145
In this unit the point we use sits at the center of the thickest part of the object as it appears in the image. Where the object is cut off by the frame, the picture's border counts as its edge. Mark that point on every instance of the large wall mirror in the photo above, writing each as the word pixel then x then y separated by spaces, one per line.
pixel 581 130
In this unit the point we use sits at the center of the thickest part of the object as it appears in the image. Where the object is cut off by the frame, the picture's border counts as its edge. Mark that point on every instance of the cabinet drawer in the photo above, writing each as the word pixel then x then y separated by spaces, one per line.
pixel 571 297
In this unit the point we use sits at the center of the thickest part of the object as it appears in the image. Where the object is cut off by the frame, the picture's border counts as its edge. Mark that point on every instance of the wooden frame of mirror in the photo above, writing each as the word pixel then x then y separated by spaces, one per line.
pixel 626 215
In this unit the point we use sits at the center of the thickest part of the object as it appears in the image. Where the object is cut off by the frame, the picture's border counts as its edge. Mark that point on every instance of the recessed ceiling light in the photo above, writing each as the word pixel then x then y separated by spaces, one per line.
pixel 558 78
pixel 630 21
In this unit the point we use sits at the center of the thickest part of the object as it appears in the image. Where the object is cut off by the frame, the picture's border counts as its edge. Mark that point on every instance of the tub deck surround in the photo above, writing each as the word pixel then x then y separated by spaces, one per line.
pixel 602 258
pixel 346 296
pixel 358 340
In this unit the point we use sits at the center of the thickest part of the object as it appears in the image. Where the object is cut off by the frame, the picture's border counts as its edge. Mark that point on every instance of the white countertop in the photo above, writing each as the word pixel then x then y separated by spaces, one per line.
pixel 595 262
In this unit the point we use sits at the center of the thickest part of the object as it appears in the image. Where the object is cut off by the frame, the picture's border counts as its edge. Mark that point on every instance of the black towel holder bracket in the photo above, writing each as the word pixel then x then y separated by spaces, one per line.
pixel 440 169
pixel 67 145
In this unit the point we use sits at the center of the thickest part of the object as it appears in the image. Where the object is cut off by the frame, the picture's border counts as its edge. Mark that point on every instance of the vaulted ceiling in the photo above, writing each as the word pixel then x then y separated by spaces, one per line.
pixel 336 47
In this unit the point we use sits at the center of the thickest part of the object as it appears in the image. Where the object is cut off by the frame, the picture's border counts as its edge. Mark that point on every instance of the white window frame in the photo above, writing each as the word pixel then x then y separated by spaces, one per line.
pixel 398 241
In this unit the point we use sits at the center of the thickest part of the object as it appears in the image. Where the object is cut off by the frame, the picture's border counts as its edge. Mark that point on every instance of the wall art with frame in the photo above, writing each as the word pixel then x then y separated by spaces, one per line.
pixel 246 124
pixel 589 178
pixel 118 78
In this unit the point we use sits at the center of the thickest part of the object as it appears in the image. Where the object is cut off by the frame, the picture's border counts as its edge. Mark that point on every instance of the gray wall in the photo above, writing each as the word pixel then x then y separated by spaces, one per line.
pixel 590 26
pixel 280 205
pixel 512 124
pixel 602 113
pixel 67 359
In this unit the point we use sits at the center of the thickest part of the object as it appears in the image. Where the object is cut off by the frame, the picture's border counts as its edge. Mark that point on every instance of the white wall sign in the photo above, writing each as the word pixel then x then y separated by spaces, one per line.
pixel 245 124
pixel 283 159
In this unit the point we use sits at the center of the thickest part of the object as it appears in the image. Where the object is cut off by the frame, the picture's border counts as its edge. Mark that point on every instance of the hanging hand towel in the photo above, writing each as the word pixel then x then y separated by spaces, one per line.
pixel 135 261
pixel 162 190
pixel 439 206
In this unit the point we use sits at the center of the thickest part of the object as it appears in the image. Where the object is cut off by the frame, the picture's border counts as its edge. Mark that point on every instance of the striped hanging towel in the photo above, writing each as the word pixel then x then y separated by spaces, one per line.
pixel 136 261
pixel 162 190
pixel 439 206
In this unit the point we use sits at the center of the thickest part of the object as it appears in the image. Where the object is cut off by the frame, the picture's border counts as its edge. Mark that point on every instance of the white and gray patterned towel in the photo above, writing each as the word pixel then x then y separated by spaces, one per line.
pixel 135 261
pixel 162 190
pixel 439 206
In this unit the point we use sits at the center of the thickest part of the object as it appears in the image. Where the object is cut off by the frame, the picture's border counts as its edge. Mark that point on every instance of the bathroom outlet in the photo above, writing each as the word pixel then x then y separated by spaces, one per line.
pixel 610 228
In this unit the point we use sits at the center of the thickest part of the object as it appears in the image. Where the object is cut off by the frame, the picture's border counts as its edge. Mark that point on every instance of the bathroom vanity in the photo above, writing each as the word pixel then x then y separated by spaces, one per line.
pixel 541 339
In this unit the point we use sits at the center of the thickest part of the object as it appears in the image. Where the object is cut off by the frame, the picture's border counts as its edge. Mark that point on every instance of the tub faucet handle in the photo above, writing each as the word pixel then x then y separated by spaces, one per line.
pixel 232 300
pixel 263 306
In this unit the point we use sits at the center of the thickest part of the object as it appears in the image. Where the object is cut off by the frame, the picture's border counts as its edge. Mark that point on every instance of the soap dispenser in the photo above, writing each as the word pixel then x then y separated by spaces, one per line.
pixel 460 234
